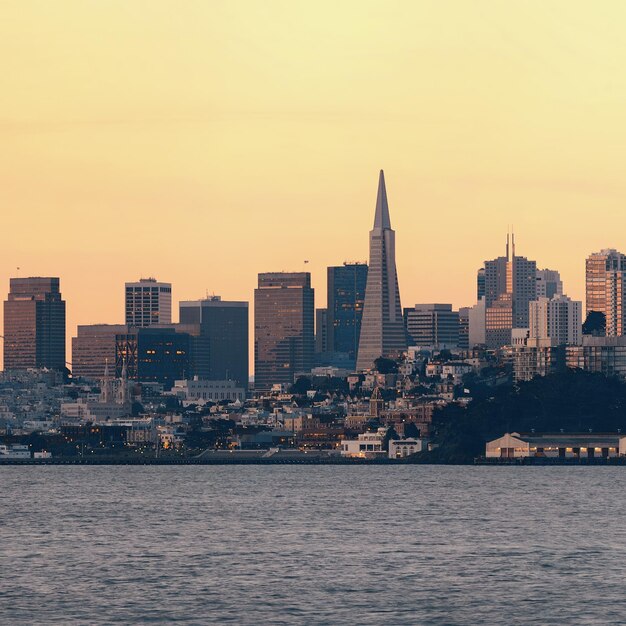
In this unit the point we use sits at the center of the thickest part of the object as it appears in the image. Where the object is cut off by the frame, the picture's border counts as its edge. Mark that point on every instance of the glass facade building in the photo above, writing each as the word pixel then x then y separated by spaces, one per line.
pixel 605 274
pixel 220 344
pixel 34 324
pixel 284 340
pixel 94 347
pixel 432 325
pixel 346 298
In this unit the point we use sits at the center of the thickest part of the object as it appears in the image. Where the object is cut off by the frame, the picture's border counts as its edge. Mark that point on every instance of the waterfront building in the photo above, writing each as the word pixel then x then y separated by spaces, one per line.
pixel 555 446
pixel 153 355
pixel 382 326
pixel 34 324
pixel 148 302
pixel 401 448
pixel 220 338
pixel 548 283
pixel 558 318
pixel 432 325
pixel 93 347
pixel 367 445
pixel 346 297
pixel 605 275
pixel 283 328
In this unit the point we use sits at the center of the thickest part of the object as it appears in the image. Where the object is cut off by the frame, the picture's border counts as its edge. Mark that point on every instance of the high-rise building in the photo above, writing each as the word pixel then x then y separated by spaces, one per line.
pixel 480 283
pixel 510 284
pixel 606 292
pixel 558 318
pixel 321 331
pixel 464 327
pixel 382 326
pixel 283 327
pixel 34 324
pixel 432 325
pixel 549 284
pixel 346 297
pixel 94 347
pixel 153 355
pixel 148 302
pixel 220 341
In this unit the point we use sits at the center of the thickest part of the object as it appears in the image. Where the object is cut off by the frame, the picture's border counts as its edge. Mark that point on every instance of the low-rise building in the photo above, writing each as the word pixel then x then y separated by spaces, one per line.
pixel 401 448
pixel 366 446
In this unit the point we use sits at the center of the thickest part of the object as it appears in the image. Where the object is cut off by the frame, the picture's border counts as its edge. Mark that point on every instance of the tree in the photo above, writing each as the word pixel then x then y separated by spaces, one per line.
pixel 595 324
pixel 301 386
pixel 411 431
pixel 385 366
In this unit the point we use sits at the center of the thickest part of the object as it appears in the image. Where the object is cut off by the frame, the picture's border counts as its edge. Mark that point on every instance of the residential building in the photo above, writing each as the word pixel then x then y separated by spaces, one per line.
pixel 283 328
pixel 605 276
pixel 382 326
pixel 604 355
pixel 34 324
pixel 367 445
pixel 558 318
pixel 548 283
pixel 464 327
pixel 148 302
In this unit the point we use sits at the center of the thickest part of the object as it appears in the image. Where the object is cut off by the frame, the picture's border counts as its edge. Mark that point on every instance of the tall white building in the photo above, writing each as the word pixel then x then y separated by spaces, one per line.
pixel 549 283
pixel 558 318
pixel 148 302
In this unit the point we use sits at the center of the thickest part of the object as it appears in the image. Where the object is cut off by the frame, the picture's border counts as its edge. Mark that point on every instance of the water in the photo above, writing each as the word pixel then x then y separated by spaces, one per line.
pixel 312 545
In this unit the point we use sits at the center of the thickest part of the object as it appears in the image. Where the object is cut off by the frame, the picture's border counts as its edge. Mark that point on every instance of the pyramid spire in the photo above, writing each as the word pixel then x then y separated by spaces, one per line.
pixel 381 220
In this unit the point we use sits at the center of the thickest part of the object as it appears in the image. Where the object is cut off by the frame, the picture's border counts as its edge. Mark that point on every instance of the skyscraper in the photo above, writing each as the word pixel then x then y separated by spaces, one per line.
pixel 283 327
pixel 220 344
pixel 382 327
pixel 510 284
pixel 34 324
pixel 93 348
pixel 549 284
pixel 321 331
pixel 606 292
pixel 148 302
pixel 558 318
pixel 346 296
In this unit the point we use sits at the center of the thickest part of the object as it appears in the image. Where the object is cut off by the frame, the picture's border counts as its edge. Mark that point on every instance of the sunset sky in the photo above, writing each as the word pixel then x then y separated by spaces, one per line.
pixel 204 141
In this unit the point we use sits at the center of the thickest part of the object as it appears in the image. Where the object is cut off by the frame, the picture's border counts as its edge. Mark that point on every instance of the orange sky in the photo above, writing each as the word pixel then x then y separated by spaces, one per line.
pixel 202 142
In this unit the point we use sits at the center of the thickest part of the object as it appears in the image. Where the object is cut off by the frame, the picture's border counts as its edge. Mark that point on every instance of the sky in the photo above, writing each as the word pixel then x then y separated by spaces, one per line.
pixel 202 142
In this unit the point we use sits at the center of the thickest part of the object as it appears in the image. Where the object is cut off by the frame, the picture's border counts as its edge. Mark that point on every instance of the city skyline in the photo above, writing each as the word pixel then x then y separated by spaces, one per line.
pixel 143 156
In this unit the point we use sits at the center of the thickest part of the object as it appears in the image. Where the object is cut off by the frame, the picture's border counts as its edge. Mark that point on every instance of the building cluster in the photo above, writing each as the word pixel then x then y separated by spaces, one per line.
pixel 522 319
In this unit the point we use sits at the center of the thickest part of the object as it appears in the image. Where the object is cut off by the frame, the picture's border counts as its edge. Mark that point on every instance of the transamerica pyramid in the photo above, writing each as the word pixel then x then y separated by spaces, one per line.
pixel 382 327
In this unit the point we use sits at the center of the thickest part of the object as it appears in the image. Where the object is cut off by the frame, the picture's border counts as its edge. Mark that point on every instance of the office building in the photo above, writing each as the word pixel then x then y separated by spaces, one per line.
pixel 605 276
pixel 382 326
pixel 153 355
pixel 464 326
pixel 548 283
pixel 510 284
pixel 321 331
pixel 94 347
pixel 283 328
pixel 346 297
pixel 34 324
pixel 220 338
pixel 148 302
pixel 432 326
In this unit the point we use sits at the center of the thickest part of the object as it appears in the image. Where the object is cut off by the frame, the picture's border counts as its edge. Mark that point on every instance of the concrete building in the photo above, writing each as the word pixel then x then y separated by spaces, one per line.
pixel 539 357
pixel 148 302
pixel 283 328
pixel 202 391
pixel 34 324
pixel 366 446
pixel 605 274
pixel 382 327
pixel 476 319
pixel 401 448
pixel 93 347
pixel 464 327
pixel 346 298
pixel 220 338
pixel 433 326
pixel 558 318
pixel 548 283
